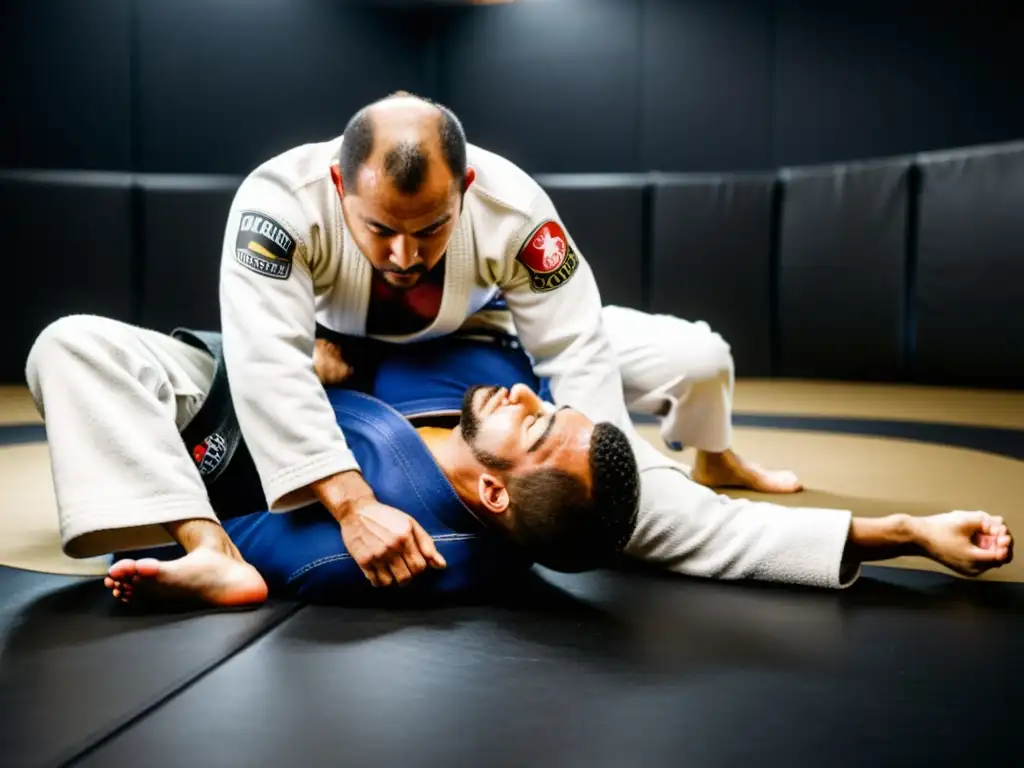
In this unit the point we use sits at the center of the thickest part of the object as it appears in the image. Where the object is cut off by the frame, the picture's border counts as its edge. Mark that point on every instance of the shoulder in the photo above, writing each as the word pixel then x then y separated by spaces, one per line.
pixel 292 190
pixel 298 168
pixel 501 183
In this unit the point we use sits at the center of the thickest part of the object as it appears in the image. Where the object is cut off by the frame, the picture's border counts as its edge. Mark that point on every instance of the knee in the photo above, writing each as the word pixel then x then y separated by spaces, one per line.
pixel 66 338
pixel 707 357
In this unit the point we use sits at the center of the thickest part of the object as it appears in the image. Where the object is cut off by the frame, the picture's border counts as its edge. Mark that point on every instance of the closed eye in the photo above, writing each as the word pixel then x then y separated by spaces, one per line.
pixel 434 228
pixel 539 442
pixel 380 230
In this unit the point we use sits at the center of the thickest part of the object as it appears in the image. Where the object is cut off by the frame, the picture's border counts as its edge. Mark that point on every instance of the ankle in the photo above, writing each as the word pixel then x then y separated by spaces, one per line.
pixel 200 533
pixel 709 460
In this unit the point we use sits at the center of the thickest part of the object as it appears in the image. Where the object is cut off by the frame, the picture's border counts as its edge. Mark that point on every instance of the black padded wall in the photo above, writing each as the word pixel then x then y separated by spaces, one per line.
pixel 65 84
pixel 554 86
pixel 970 268
pixel 606 218
pixel 181 233
pixel 711 239
pixel 562 86
pixel 68 240
pixel 224 86
pixel 707 85
pixel 842 274
pixel 862 79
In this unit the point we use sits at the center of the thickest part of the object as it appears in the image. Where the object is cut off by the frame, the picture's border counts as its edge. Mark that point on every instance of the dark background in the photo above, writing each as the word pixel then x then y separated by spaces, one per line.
pixel 687 88
pixel 558 86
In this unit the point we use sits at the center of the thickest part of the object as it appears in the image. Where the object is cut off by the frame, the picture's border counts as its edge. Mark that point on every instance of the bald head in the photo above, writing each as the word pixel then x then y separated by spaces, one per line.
pixel 405 139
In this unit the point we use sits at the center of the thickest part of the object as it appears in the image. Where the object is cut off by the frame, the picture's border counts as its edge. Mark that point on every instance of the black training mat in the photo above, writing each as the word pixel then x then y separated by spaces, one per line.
pixel 970 268
pixel 618 669
pixel 76 665
pixel 605 217
pixel 842 276
pixel 182 220
pixel 67 237
pixel 711 259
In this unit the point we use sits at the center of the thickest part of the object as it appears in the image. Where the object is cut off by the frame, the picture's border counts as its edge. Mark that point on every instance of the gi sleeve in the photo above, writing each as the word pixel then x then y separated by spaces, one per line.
pixel 268 262
pixel 689 529
pixel 556 306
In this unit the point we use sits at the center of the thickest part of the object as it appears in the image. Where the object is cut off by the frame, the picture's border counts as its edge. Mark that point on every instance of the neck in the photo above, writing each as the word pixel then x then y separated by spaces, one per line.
pixel 455 460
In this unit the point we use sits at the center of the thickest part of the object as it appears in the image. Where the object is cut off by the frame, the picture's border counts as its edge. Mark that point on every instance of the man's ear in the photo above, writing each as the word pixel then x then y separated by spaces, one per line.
pixel 470 178
pixel 493 494
pixel 336 178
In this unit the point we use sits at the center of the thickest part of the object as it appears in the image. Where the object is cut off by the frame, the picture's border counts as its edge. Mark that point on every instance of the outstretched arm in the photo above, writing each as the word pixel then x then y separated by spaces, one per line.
pixel 689 529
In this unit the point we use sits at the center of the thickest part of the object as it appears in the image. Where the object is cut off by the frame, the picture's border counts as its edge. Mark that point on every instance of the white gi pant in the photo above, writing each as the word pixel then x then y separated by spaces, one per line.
pixel 679 371
pixel 115 398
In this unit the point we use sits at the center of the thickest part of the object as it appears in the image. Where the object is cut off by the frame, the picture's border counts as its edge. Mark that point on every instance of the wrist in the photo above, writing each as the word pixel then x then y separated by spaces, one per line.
pixel 342 494
pixel 911 534
pixel 883 538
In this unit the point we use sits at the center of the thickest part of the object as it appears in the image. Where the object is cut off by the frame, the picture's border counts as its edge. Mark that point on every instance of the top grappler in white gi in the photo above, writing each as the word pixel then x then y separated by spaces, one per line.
pixel 401 231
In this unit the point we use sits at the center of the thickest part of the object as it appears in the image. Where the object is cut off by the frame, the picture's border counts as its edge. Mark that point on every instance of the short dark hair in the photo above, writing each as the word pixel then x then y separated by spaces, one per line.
pixel 563 527
pixel 405 163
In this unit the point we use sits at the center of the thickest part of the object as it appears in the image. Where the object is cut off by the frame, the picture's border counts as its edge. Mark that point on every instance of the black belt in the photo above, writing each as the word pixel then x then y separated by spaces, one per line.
pixel 214 439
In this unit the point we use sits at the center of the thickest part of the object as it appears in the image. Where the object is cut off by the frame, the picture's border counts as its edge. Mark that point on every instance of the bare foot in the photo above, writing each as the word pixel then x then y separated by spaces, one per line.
pixel 729 470
pixel 968 543
pixel 204 575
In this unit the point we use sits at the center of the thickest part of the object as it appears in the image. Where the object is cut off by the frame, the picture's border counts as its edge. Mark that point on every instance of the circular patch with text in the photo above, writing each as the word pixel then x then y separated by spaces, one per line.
pixel 548 257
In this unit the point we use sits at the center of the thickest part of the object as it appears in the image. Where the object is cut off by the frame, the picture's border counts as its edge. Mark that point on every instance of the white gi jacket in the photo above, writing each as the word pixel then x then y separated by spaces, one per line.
pixel 289 262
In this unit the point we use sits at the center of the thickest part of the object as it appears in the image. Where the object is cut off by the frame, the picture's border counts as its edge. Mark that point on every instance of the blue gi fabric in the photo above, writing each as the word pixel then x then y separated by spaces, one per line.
pixel 419 379
pixel 302 554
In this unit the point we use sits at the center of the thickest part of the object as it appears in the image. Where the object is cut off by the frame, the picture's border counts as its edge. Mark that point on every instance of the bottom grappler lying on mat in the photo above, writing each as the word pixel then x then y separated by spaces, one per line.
pixel 493 478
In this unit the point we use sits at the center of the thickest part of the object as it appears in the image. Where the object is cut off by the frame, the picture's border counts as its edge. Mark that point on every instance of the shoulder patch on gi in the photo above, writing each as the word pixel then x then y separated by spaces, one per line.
pixel 548 257
pixel 264 246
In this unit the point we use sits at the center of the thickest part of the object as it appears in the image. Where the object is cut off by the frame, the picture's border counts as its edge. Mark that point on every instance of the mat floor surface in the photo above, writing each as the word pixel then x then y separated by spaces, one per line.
pixel 632 668
pixel 607 669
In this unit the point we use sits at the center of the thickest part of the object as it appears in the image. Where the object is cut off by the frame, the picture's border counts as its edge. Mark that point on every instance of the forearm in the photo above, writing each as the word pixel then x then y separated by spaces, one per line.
pixel 689 529
pixel 881 538
pixel 282 409
pixel 342 493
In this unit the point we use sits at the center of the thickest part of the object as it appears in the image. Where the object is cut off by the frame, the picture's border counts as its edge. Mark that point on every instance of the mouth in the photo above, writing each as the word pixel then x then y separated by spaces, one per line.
pixel 402 278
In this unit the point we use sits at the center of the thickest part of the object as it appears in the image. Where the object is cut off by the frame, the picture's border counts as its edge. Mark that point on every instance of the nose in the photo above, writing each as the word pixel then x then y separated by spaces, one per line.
pixel 404 252
pixel 523 395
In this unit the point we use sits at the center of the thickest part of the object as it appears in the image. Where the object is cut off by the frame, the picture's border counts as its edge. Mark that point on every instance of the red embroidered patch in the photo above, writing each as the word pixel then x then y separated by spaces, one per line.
pixel 548 257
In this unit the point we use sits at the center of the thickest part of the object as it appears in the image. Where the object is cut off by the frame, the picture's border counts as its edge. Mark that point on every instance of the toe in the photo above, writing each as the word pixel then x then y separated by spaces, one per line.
pixel 122 569
pixel 148 568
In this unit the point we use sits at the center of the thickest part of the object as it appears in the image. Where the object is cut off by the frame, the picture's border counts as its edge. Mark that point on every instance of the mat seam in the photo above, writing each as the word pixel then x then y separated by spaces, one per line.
pixel 171 692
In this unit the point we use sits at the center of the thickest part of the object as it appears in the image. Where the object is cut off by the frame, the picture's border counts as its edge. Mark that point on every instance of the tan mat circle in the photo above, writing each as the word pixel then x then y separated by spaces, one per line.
pixel 878 476
pixel 869 475
pixel 980 408
pixel 16 406
pixel 29 531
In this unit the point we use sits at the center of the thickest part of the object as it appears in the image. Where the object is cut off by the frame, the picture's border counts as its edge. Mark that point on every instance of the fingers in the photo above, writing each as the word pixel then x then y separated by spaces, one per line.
pixel 390 547
pixel 396 554
pixel 993 526
pixel 328 363
pixel 383 576
pixel 428 547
